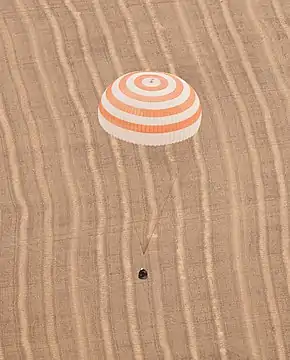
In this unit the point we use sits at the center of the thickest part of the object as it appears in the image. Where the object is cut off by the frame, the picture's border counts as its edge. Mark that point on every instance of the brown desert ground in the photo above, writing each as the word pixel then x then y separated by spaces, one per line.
pixel 78 207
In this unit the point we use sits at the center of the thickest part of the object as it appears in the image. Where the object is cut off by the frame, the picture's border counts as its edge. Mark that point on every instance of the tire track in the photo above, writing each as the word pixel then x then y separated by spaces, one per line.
pixel 256 165
pixel 42 184
pixel 63 145
pixel 126 232
pixel 23 230
pixel 284 89
pixel 97 179
pixel 279 172
pixel 232 181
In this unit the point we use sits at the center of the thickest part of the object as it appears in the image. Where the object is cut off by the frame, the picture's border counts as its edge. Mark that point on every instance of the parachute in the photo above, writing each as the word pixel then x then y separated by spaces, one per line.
pixel 150 108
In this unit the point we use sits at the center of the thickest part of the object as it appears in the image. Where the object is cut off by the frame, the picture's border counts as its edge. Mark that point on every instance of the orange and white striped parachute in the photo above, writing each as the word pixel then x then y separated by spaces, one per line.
pixel 150 108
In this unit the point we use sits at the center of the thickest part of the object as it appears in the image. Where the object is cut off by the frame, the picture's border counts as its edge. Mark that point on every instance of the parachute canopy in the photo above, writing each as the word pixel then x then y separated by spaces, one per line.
pixel 150 108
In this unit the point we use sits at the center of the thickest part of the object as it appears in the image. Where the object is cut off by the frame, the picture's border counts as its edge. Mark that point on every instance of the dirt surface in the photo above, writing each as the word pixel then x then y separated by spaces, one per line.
pixel 78 208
